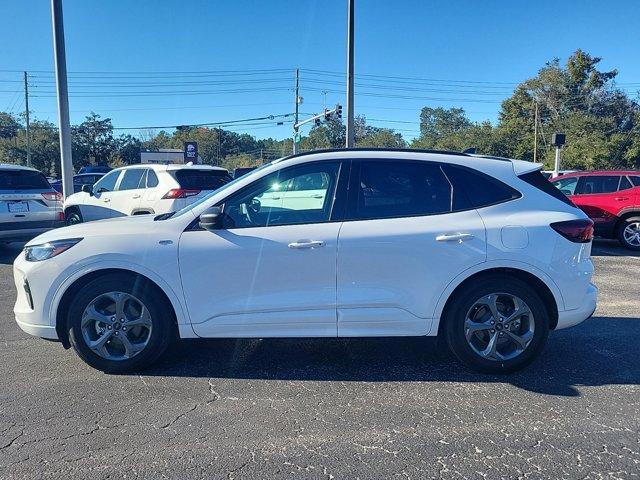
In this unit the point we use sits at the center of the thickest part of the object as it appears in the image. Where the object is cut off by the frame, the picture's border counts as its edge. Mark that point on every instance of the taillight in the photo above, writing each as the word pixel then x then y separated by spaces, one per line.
pixel 61 216
pixel 577 231
pixel 180 193
pixel 52 196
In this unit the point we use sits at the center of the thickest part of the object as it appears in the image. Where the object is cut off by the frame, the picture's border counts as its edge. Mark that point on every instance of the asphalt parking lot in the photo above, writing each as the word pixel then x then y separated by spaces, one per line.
pixel 365 408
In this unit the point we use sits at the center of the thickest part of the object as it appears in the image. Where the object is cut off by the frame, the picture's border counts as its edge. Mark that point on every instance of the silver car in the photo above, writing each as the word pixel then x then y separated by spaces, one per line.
pixel 29 205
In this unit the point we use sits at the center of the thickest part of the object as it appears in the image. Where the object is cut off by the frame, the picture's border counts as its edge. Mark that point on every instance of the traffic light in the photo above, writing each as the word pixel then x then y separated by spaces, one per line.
pixel 317 122
pixel 339 111
pixel 327 115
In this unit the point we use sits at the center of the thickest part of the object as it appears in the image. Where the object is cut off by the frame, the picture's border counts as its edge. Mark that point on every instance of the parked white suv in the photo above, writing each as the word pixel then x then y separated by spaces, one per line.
pixel 28 204
pixel 141 189
pixel 484 252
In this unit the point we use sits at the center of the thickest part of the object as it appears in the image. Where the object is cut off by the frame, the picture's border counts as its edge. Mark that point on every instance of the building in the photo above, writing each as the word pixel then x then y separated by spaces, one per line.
pixel 164 156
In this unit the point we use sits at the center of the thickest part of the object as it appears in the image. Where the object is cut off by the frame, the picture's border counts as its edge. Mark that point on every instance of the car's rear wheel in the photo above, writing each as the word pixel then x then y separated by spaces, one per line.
pixel 118 323
pixel 72 216
pixel 629 233
pixel 498 325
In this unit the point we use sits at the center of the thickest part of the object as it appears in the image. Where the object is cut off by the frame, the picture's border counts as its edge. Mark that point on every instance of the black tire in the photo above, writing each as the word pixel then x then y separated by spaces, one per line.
pixel 455 316
pixel 72 216
pixel 163 330
pixel 620 233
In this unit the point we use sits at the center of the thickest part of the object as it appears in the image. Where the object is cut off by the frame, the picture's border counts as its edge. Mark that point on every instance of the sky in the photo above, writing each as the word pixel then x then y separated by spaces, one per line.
pixel 160 63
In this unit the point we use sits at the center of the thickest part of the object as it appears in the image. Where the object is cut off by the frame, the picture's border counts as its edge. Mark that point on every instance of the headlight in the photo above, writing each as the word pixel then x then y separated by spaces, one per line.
pixel 37 253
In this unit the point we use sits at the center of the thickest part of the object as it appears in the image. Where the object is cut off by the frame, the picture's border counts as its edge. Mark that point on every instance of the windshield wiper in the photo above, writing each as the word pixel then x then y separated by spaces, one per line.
pixel 164 216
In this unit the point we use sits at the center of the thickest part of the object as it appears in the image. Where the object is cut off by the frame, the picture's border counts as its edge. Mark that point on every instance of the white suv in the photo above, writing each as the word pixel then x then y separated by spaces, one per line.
pixel 142 189
pixel 350 243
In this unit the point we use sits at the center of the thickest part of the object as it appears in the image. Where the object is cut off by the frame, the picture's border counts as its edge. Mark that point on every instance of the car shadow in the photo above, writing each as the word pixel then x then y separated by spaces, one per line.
pixel 9 252
pixel 601 351
pixel 611 248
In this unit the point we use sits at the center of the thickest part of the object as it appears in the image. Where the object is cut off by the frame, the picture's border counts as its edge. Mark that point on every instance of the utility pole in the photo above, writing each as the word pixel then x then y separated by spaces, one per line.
pixel 62 97
pixel 535 134
pixel 296 129
pixel 26 116
pixel 350 113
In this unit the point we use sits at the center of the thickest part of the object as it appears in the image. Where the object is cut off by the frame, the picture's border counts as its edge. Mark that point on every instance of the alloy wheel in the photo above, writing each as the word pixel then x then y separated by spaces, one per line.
pixel 116 326
pixel 499 326
pixel 631 234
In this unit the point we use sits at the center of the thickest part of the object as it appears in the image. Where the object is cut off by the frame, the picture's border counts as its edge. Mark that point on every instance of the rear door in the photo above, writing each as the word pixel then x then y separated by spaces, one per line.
pixel 401 244
pixel 128 193
pixel 597 196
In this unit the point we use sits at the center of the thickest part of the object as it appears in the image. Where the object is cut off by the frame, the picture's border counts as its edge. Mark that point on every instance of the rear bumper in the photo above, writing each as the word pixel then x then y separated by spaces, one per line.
pixel 17 231
pixel 570 318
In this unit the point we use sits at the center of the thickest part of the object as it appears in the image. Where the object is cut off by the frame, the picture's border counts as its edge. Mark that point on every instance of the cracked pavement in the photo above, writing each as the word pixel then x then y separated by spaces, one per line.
pixel 337 408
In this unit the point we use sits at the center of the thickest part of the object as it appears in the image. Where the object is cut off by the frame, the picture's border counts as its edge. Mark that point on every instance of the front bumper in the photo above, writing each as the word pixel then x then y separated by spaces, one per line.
pixel 570 318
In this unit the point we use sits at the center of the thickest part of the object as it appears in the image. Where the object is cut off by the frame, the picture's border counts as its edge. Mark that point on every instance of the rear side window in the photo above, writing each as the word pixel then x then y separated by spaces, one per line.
pixel 400 189
pixel 132 179
pixel 193 179
pixel 473 189
pixel 625 184
pixel 23 180
pixel 537 180
pixel 635 180
pixel 588 185
pixel 152 179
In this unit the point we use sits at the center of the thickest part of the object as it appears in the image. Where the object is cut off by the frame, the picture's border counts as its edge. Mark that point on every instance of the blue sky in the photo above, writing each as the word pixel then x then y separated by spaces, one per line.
pixel 194 61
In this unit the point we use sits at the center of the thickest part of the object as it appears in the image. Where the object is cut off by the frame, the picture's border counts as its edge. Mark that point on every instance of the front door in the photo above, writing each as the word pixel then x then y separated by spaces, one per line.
pixel 399 247
pixel 271 272
pixel 97 205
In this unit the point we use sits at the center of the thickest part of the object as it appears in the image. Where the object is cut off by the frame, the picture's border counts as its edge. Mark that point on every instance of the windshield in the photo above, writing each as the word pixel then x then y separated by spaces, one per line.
pixel 215 192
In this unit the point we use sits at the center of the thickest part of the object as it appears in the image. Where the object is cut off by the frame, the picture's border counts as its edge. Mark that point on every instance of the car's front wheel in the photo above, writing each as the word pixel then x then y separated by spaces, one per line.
pixel 498 325
pixel 72 216
pixel 629 233
pixel 119 323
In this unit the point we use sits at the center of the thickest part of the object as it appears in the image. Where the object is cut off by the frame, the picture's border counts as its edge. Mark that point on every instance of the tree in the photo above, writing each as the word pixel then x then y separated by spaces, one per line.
pixel 93 140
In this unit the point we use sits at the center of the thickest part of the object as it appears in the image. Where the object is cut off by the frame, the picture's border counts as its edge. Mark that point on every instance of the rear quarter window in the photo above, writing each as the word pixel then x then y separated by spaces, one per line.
pixel 23 180
pixel 473 189
pixel 201 179
pixel 536 179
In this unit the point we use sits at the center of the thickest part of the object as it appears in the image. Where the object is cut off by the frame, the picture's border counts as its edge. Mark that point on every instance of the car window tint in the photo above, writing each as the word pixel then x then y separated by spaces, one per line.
pixel 152 179
pixel 295 195
pixel 193 179
pixel 106 183
pixel 635 179
pixel 477 189
pixel 624 183
pixel 22 180
pixel 131 179
pixel 597 184
pixel 400 189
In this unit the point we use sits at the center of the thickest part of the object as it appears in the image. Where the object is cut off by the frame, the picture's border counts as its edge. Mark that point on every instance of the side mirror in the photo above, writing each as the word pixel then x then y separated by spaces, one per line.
pixel 88 189
pixel 211 218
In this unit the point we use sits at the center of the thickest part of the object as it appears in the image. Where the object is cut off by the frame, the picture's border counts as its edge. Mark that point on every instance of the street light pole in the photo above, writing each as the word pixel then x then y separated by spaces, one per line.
pixel 350 112
pixel 296 114
pixel 62 97
pixel 26 117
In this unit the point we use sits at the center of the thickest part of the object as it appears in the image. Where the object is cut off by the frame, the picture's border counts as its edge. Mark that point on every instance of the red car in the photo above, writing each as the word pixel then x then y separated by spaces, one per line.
pixel 610 198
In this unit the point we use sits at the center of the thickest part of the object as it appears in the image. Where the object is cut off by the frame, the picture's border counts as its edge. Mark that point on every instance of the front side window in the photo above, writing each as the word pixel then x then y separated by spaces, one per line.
pixel 295 195
pixel 567 185
pixel 107 183
pixel 387 189
pixel 588 185
pixel 132 179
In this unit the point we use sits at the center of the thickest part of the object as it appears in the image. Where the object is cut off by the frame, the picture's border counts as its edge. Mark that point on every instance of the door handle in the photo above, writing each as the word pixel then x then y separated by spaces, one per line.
pixel 621 198
pixel 106 199
pixel 317 195
pixel 136 196
pixel 307 244
pixel 454 237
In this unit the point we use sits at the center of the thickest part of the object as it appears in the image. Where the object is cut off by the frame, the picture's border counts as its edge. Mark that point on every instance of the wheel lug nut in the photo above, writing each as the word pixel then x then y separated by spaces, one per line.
pixel 493 322
pixel 493 331
pixel 124 328
pixel 109 327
